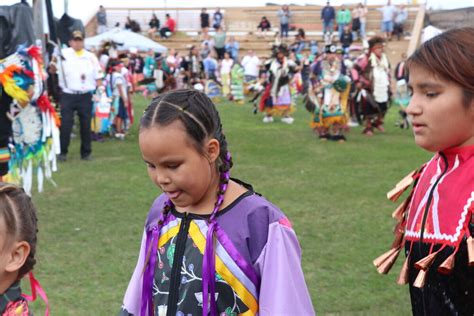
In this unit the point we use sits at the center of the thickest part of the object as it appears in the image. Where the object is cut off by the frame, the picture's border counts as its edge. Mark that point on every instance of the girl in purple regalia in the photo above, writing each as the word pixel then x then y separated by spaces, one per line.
pixel 211 245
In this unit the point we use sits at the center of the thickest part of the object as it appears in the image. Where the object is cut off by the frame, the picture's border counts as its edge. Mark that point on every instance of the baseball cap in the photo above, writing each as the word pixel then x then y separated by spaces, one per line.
pixel 77 34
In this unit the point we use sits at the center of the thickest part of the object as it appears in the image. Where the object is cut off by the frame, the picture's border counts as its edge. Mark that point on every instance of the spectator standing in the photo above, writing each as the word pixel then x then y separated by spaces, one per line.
pixel 328 14
pixel 169 27
pixel 210 67
pixel 226 67
pixel 217 19
pixel 210 44
pixel 263 27
pixel 219 43
pixel 232 47
pixel 400 19
pixel 136 65
pixel 346 39
pixel 355 22
pixel 388 14
pixel 118 85
pixel 363 19
pixel 79 76
pixel 204 17
pixel 343 18
pixel 251 64
pixel 284 15
pixel 148 70
pixel 101 17
pixel 154 25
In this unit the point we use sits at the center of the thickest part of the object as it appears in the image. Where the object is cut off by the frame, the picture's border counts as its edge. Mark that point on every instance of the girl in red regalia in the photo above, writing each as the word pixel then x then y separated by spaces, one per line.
pixel 436 224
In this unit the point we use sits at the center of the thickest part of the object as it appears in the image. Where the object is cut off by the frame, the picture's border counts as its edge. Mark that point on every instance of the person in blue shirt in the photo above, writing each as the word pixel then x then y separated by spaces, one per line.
pixel 210 67
pixel 328 14
pixel 232 47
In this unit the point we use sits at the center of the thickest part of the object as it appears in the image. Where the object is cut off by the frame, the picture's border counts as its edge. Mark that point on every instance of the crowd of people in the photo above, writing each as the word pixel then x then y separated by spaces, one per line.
pixel 341 88
pixel 342 85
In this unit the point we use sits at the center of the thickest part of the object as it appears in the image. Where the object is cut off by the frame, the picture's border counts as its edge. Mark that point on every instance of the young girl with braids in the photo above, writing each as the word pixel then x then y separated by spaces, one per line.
pixel 17 250
pixel 211 245
pixel 436 222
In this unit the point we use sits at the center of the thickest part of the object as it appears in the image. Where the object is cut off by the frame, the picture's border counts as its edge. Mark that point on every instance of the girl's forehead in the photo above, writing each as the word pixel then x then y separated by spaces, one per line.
pixel 172 133
pixel 423 75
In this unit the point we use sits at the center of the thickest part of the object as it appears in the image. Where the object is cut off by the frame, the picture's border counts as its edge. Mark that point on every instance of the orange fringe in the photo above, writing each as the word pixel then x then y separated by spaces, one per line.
pixel 401 186
pixel 385 262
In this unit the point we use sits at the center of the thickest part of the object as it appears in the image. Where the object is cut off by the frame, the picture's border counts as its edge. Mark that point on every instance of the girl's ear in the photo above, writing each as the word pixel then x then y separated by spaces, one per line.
pixel 213 148
pixel 18 254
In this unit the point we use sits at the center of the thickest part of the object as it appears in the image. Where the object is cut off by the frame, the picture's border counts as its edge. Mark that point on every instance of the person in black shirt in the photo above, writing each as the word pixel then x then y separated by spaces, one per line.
pixel 154 25
pixel 264 26
pixel 204 22
pixel 346 39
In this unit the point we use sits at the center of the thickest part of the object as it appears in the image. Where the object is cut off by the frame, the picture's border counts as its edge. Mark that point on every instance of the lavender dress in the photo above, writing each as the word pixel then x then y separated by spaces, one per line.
pixel 258 263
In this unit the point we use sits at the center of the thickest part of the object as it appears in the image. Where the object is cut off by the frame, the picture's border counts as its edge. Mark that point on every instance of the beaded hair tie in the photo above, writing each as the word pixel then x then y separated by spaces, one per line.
pixel 182 109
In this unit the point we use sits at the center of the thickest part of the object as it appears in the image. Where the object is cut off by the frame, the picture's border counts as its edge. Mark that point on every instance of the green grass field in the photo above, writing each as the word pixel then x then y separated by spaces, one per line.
pixel 91 224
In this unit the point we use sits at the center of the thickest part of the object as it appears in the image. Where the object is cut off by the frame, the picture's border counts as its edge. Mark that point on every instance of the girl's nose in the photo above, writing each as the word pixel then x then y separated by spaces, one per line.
pixel 414 107
pixel 161 178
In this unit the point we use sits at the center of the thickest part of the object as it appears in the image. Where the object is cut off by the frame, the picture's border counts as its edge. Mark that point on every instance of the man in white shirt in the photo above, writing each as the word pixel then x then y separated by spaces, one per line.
pixel 79 75
pixel 251 65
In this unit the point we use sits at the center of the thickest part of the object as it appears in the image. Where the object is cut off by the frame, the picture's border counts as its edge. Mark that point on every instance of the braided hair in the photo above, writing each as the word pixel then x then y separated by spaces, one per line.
pixel 201 121
pixel 19 215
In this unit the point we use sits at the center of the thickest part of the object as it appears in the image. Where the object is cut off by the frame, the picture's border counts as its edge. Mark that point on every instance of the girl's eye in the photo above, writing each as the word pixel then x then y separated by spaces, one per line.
pixel 149 165
pixel 410 91
pixel 173 166
pixel 432 94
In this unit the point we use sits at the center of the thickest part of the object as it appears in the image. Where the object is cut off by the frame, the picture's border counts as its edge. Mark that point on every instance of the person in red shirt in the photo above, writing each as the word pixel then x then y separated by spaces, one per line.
pixel 168 28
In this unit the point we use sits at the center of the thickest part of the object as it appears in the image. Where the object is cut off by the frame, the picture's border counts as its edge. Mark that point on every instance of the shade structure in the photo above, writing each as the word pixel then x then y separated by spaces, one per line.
pixel 125 40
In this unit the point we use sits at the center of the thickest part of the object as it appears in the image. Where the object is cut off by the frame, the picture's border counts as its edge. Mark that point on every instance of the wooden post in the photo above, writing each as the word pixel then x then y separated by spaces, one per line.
pixel 38 23
pixel 417 29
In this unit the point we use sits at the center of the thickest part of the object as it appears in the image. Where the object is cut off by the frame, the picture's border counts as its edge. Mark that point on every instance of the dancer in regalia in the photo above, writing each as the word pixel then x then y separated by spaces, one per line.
pixel 276 100
pixel 435 223
pixel 373 85
pixel 211 245
pixel 327 99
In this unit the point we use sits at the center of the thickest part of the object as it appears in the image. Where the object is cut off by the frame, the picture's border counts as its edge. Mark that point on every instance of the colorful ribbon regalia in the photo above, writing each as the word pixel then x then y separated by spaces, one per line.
pixel 328 104
pixel 35 123
pixel 101 120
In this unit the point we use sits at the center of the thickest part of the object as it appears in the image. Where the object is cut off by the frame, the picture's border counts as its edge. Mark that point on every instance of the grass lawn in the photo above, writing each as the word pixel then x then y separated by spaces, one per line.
pixel 91 224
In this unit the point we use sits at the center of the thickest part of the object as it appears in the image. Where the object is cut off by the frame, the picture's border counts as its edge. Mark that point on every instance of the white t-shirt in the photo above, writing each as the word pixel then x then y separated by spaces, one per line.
pixel 117 79
pixel 251 65
pixel 226 65
pixel 125 73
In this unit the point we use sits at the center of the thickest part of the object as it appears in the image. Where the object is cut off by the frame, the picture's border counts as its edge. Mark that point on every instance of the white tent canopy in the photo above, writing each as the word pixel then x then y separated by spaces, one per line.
pixel 125 40
pixel 429 32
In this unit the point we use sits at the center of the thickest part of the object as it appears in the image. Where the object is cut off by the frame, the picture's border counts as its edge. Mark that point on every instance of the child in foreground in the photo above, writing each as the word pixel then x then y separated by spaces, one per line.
pixel 211 245
pixel 435 223
pixel 18 228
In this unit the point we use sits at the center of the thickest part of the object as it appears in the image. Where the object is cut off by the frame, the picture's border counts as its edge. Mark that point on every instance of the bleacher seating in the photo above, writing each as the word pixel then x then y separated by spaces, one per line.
pixel 239 22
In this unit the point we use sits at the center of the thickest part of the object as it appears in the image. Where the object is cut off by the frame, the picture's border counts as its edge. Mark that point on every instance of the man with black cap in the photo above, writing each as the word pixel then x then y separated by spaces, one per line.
pixel 79 75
